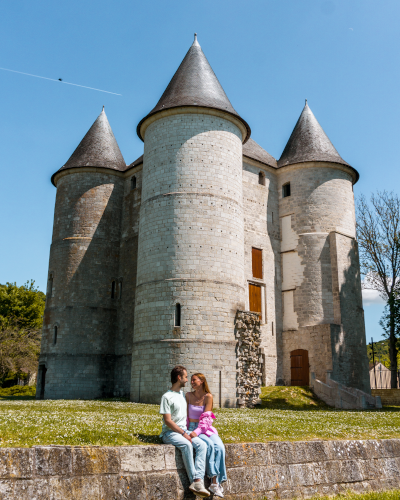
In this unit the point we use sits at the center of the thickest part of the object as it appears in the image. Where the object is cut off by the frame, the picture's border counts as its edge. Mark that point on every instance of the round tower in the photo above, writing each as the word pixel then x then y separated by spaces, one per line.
pixel 77 352
pixel 323 318
pixel 190 276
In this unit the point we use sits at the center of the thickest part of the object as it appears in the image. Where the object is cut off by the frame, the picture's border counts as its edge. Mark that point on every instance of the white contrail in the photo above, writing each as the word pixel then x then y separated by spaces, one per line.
pixel 60 81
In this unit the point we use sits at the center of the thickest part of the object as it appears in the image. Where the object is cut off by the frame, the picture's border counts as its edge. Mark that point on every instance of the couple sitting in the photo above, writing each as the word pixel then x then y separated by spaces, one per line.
pixel 187 424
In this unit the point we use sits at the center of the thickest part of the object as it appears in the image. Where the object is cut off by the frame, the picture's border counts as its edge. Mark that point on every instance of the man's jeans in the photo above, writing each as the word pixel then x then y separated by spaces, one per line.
pixel 195 468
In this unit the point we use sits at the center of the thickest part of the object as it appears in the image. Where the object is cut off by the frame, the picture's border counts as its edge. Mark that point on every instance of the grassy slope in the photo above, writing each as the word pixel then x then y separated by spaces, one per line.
pixel 287 413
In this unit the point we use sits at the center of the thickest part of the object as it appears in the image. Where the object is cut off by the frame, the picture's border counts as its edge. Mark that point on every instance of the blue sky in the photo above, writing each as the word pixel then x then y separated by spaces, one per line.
pixel 269 55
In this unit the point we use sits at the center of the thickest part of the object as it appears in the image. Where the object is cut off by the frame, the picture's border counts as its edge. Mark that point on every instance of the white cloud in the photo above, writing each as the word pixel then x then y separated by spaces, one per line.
pixel 371 297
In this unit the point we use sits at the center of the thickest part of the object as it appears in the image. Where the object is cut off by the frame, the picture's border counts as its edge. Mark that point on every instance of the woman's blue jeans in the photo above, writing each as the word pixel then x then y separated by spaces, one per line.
pixel 215 464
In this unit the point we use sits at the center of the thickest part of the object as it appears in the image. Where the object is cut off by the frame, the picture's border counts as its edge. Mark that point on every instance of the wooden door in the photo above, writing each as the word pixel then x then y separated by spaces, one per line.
pixel 255 298
pixel 299 367
pixel 256 258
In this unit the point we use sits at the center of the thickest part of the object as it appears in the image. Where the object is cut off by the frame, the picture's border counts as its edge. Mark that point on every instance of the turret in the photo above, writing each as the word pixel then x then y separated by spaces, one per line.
pixel 323 322
pixel 77 354
pixel 190 275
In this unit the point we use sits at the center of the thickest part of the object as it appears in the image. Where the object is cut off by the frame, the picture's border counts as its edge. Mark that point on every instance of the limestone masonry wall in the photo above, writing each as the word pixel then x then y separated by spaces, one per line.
pixel 255 470
pixel 190 253
pixel 84 259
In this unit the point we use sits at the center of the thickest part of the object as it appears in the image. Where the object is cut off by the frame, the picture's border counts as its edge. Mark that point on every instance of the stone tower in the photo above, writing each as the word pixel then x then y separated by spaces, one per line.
pixel 190 272
pixel 321 286
pixel 77 354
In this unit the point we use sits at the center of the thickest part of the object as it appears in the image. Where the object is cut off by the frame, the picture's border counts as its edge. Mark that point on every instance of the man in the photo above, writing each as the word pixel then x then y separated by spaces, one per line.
pixel 174 431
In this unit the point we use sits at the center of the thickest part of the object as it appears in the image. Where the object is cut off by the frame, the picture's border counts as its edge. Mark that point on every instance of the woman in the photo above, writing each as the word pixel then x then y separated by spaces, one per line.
pixel 200 403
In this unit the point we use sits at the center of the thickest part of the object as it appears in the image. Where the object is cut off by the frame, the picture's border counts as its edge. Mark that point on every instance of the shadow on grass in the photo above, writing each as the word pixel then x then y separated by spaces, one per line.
pixel 17 398
pixel 149 438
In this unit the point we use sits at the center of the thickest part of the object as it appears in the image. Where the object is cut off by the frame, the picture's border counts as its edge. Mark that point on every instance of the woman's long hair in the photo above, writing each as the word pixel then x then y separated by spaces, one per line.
pixel 204 380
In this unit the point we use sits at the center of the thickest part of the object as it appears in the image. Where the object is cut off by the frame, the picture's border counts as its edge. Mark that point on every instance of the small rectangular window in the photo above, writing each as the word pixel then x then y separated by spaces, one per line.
pixel 133 182
pixel 113 290
pixel 286 190
pixel 256 257
pixel 55 335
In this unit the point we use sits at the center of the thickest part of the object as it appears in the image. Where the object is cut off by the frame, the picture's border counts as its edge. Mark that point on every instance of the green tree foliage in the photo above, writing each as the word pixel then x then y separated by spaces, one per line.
pixel 21 305
pixel 385 322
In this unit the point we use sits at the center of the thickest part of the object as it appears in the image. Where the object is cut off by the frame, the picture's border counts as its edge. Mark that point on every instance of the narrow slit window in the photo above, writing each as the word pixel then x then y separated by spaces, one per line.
pixel 261 178
pixel 177 315
pixel 272 328
pixel 55 335
pixel 256 257
pixel 120 289
pixel 133 182
pixel 286 190
pixel 50 286
pixel 113 290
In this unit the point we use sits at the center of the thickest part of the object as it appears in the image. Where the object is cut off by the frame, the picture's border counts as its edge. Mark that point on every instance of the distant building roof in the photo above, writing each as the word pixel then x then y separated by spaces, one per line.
pixel 98 148
pixel 309 142
pixel 253 150
pixel 194 84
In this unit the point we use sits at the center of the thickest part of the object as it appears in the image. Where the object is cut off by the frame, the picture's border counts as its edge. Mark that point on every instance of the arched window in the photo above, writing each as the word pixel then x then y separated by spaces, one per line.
pixel 286 190
pixel 55 335
pixel 177 315
pixel 133 182
pixel 261 178
pixel 113 290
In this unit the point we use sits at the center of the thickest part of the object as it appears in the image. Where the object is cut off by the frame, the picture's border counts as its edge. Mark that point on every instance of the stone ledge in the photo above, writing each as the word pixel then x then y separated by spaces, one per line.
pixel 255 470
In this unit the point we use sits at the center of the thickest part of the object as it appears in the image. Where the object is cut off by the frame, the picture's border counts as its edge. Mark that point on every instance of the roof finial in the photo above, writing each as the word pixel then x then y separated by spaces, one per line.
pixel 103 108
pixel 195 37
pixel 306 102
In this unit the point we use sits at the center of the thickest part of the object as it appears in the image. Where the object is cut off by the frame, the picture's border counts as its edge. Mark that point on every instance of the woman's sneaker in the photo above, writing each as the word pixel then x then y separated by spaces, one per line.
pixel 198 489
pixel 216 490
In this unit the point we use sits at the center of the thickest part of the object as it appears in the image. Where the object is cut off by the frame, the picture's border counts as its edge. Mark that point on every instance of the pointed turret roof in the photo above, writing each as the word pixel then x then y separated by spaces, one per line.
pixel 98 148
pixel 309 142
pixel 194 84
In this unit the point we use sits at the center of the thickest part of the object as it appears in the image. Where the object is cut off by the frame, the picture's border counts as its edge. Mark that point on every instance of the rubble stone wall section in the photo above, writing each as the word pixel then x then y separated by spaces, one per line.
pixel 249 358
pixel 255 471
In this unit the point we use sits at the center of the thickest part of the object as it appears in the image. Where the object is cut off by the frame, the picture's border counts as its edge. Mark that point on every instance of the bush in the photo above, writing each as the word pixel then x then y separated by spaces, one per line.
pixel 19 390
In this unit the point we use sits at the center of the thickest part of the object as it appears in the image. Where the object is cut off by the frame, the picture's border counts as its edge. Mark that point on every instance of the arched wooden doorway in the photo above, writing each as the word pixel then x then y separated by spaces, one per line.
pixel 299 367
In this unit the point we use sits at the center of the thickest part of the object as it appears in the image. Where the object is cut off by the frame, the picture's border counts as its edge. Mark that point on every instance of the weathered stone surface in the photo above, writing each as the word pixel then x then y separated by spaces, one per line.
pixel 173 458
pixel 85 488
pixel 118 487
pixel 162 486
pixel 247 454
pixel 95 460
pixel 15 463
pixel 142 458
pixel 52 460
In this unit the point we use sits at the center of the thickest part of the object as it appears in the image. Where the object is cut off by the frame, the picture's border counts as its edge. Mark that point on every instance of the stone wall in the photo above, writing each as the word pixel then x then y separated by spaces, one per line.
pixel 255 470
pixel 249 358
pixel 84 260
pixel 190 252
pixel 389 397
pixel 261 230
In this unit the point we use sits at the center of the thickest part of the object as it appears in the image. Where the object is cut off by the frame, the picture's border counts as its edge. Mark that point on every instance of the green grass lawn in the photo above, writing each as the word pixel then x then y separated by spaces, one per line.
pixel 379 495
pixel 286 413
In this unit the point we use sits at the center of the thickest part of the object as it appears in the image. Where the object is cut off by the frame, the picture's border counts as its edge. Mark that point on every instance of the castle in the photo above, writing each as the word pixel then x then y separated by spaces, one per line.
pixel 151 262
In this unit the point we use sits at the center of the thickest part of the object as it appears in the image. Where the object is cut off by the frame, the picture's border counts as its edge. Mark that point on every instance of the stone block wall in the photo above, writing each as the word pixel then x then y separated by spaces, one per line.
pixel 389 397
pixel 190 252
pixel 261 230
pixel 255 470
pixel 84 260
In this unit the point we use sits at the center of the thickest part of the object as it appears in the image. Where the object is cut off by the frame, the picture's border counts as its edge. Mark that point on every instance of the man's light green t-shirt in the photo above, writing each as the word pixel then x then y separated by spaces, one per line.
pixel 174 403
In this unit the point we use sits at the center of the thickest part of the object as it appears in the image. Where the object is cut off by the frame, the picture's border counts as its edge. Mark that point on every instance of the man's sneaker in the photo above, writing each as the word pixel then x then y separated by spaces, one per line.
pixel 198 489
pixel 216 490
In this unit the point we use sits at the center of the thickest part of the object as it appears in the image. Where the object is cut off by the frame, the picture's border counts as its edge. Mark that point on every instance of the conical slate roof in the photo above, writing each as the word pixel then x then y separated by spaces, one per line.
pixel 97 149
pixel 194 84
pixel 309 142
pixel 253 150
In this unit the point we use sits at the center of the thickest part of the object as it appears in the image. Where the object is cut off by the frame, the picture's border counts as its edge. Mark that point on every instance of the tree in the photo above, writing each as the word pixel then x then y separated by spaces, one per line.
pixel 378 234
pixel 23 305
pixel 385 322
pixel 19 350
